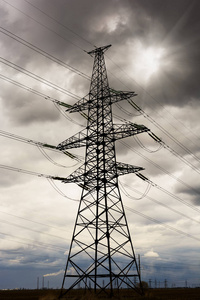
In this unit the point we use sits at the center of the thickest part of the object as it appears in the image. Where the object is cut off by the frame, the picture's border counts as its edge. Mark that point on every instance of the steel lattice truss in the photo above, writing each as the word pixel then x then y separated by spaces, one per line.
pixel 101 254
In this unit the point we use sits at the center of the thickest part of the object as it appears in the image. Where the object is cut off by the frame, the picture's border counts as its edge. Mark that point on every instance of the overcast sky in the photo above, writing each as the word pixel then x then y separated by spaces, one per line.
pixel 156 53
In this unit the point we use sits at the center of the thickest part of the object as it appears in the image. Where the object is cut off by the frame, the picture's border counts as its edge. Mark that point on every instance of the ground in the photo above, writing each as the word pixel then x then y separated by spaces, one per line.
pixel 151 294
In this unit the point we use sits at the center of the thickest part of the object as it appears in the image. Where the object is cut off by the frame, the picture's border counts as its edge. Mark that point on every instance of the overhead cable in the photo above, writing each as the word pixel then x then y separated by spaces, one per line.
pixel 61 24
pixel 54 162
pixel 131 197
pixel 38 144
pixel 170 136
pixel 59 191
pixel 42 52
pixel 66 116
pixel 34 244
pixel 141 176
pixel 44 96
pixel 144 147
pixel 30 228
pixel 35 222
pixel 160 168
pixel 10 168
pixel 41 24
pixel 162 223
pixel 120 68
pixel 38 78
pixel 159 203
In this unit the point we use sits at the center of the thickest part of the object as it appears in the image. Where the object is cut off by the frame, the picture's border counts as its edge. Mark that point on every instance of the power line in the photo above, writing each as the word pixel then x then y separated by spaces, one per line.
pixel 41 24
pixel 40 145
pixel 160 168
pixel 19 251
pixel 149 96
pixel 143 195
pixel 59 191
pixel 25 87
pixel 157 202
pixel 145 148
pixel 167 192
pixel 31 229
pixel 171 137
pixel 38 78
pixel 66 116
pixel 44 96
pixel 10 168
pixel 49 177
pixel 42 52
pixel 30 141
pixel 162 223
pixel 54 162
pixel 35 243
pixel 160 127
pixel 145 216
pixel 35 222
pixel 58 22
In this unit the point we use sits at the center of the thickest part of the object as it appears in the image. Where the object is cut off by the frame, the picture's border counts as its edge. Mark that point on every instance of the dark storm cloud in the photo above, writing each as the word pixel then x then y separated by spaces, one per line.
pixel 193 193
pixel 175 26
pixel 156 23
pixel 23 108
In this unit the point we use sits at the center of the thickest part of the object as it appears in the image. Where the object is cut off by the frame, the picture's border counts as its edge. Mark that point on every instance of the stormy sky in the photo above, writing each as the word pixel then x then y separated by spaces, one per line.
pixel 156 53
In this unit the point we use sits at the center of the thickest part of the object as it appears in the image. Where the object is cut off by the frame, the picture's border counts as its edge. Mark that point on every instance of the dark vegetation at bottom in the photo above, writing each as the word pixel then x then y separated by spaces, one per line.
pixel 123 294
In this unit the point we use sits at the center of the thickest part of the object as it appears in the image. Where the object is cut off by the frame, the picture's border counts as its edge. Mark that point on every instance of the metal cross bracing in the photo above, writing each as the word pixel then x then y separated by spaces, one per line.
pixel 101 254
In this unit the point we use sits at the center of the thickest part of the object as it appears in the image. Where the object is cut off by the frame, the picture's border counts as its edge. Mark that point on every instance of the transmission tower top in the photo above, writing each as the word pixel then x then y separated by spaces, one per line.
pixel 100 49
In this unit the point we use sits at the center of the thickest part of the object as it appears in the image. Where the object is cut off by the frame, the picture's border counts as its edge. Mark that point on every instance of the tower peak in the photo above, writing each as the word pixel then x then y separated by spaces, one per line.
pixel 100 49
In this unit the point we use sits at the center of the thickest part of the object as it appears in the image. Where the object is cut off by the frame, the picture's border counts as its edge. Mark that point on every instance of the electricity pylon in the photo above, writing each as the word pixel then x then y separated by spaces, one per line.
pixel 101 254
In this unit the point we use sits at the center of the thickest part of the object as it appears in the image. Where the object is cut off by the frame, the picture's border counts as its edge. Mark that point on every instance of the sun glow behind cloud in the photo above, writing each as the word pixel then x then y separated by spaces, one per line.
pixel 151 60
pixel 148 61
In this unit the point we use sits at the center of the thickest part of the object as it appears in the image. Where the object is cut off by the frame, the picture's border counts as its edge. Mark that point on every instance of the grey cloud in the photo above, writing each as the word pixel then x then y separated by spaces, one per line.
pixel 179 82
pixel 193 193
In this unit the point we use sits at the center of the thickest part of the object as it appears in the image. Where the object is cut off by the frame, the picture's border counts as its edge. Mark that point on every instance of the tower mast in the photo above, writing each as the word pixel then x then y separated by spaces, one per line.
pixel 101 249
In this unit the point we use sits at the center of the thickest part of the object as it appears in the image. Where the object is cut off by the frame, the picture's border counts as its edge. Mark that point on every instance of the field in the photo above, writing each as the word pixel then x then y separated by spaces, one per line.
pixel 151 294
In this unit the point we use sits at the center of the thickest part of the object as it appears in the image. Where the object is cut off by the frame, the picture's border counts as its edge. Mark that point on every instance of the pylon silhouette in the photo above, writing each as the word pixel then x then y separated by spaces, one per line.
pixel 101 255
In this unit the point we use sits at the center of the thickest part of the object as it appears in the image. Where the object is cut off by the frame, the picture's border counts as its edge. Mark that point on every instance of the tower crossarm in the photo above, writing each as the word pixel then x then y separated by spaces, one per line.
pixel 80 176
pixel 117 96
pixel 77 176
pixel 112 97
pixel 129 129
pixel 80 105
pixel 75 141
pixel 119 131
pixel 123 169
pixel 99 50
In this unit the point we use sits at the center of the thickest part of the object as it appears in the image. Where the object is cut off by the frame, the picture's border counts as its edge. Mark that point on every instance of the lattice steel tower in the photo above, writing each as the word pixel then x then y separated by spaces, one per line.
pixel 101 254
